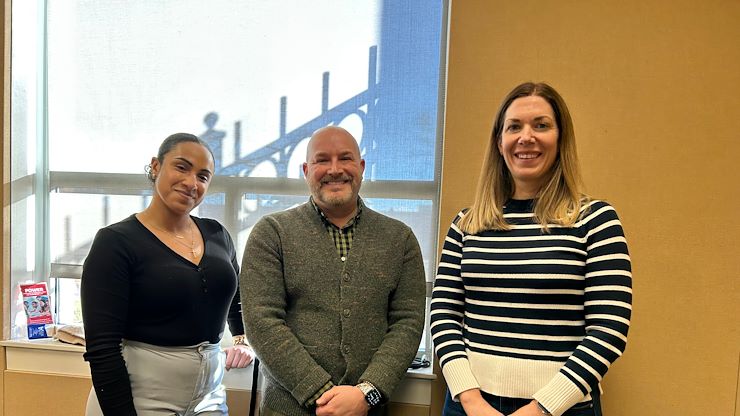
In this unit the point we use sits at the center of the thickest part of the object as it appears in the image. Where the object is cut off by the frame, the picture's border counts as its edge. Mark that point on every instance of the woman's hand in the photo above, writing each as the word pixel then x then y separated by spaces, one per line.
pixel 531 409
pixel 475 405
pixel 238 356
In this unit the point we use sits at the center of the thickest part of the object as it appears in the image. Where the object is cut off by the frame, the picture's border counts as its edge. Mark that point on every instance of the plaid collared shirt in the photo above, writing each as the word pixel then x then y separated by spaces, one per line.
pixel 342 237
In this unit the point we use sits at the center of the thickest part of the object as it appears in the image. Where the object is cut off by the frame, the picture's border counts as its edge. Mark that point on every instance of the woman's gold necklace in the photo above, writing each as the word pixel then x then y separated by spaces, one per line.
pixel 194 251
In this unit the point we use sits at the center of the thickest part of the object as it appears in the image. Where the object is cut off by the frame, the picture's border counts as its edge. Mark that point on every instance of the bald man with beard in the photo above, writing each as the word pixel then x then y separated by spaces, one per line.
pixel 332 292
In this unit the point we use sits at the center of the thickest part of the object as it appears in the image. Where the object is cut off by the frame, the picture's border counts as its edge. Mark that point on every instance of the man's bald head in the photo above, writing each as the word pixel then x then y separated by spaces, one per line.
pixel 333 170
pixel 335 133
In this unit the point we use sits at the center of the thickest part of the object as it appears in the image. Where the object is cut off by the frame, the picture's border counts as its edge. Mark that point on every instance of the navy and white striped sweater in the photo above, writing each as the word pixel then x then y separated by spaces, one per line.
pixel 533 314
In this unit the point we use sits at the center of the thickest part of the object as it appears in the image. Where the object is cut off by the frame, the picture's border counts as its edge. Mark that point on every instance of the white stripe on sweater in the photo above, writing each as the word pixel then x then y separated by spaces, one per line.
pixel 522 276
pixel 522 262
pixel 521 250
pixel 524 290
pixel 513 305
pixel 524 320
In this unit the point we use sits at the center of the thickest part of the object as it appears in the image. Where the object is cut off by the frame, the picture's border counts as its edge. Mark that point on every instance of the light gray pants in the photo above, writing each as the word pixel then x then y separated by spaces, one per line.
pixel 182 381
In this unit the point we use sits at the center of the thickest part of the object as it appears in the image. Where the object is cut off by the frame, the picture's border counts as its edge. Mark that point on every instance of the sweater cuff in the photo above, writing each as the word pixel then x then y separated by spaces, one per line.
pixel 313 382
pixel 459 377
pixel 312 401
pixel 559 395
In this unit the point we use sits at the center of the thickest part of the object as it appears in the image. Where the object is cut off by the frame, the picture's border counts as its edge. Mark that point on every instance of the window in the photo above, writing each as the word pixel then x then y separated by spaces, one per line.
pixel 97 85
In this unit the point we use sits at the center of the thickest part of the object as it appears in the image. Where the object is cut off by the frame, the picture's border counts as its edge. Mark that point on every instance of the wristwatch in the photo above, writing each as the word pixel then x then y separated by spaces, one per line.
pixel 240 340
pixel 543 409
pixel 372 395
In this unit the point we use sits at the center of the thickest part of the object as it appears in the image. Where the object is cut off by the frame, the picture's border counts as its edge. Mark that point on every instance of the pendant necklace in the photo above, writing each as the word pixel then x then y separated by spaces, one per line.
pixel 178 239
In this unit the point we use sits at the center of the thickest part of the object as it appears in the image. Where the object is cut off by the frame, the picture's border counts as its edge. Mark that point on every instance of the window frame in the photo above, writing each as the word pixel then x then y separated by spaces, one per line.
pixel 42 182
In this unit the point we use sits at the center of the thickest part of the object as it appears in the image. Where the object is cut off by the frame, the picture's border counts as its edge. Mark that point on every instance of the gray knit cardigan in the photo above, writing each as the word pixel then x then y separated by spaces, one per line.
pixel 312 318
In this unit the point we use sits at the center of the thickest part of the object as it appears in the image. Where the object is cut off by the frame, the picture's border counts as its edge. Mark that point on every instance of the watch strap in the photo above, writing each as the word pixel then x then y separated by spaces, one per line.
pixel 543 409
pixel 372 394
pixel 240 340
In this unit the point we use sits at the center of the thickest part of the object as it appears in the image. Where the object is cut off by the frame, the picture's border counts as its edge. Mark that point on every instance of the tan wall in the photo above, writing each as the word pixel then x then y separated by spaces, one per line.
pixel 58 395
pixel 45 394
pixel 654 90
pixel 2 381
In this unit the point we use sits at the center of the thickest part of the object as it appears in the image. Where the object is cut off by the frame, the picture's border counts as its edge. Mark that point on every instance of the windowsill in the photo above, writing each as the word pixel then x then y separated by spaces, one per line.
pixel 54 357
pixel 42 344
pixel 422 373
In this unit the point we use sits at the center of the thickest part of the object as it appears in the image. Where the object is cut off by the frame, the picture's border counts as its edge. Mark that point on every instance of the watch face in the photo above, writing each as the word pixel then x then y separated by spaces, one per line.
pixel 373 397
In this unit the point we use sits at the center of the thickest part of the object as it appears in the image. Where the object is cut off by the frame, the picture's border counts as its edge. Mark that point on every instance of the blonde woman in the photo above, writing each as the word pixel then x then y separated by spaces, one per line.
pixel 532 299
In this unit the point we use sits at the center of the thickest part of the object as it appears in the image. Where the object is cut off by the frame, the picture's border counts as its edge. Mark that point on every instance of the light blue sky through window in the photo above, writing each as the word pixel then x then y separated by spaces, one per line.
pixel 250 77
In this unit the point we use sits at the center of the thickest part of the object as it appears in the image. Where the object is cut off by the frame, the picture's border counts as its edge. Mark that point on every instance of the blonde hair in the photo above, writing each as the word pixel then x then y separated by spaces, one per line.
pixel 558 202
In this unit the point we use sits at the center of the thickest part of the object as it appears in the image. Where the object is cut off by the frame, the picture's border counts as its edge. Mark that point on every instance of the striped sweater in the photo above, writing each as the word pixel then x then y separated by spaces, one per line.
pixel 532 314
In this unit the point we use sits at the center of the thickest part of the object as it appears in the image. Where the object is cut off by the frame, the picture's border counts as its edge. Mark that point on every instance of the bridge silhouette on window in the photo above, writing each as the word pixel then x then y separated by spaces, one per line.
pixel 279 151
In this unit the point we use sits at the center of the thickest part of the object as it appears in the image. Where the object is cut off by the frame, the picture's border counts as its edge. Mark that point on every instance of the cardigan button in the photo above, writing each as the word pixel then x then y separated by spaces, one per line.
pixel 346 312
pixel 345 277
pixel 346 349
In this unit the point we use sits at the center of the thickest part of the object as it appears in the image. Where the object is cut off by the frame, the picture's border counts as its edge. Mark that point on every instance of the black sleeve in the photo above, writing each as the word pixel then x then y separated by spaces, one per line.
pixel 105 304
pixel 234 317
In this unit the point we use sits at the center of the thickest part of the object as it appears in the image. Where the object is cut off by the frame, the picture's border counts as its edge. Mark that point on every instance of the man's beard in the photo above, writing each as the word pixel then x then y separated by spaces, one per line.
pixel 333 199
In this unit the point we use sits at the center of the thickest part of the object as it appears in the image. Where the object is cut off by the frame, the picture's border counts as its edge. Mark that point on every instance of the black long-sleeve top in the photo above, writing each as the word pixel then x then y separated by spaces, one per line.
pixel 134 287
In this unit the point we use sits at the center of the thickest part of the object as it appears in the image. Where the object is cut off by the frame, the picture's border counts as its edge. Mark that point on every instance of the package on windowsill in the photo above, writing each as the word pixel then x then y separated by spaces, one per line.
pixel 37 305
pixel 70 334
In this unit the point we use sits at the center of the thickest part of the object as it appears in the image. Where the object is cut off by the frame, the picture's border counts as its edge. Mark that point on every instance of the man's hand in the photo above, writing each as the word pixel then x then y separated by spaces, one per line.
pixel 530 409
pixel 475 405
pixel 238 356
pixel 342 401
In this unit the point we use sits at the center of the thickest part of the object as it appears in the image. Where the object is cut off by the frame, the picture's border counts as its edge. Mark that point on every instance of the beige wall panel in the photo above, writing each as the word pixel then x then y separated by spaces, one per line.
pixel 737 392
pixel 401 409
pixel 50 395
pixel 2 380
pixel 238 401
pixel 654 90
pixel 68 395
